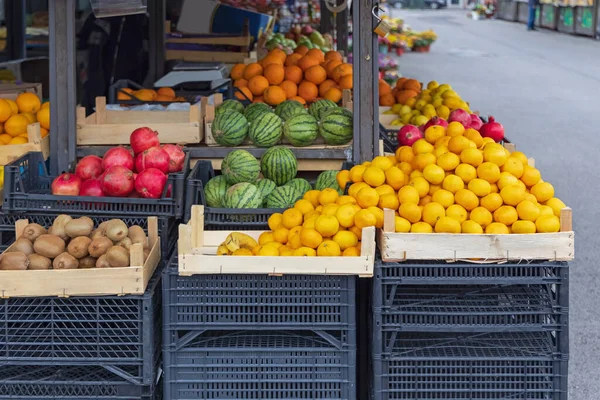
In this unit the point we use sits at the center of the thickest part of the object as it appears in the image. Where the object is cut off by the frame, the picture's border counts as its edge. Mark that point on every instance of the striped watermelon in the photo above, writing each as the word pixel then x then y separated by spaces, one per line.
pixel 301 185
pixel 229 128
pixel 289 109
pixel 256 109
pixel 319 107
pixel 230 105
pixel 301 130
pixel 240 166
pixel 327 179
pixel 279 164
pixel 265 186
pixel 266 130
pixel 283 197
pixel 243 195
pixel 337 126
pixel 215 190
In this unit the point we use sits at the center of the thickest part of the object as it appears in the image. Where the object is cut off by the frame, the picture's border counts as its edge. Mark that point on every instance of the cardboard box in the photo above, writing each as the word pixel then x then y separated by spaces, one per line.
pixel 12 90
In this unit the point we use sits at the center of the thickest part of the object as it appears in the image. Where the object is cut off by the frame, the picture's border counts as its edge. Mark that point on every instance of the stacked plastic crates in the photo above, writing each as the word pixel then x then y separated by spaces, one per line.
pixel 470 331
pixel 258 336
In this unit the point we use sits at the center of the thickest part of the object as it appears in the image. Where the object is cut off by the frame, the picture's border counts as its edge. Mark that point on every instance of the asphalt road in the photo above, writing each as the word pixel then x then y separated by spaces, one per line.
pixel 544 88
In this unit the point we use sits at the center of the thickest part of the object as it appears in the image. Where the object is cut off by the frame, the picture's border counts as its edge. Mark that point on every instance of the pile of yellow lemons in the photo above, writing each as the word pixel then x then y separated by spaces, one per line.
pixel 15 115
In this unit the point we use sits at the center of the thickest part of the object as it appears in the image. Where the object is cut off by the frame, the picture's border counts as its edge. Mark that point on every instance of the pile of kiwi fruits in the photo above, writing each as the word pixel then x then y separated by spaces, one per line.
pixel 74 243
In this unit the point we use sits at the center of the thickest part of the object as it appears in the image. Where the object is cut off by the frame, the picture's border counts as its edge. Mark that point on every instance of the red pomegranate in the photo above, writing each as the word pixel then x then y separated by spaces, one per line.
pixel 176 157
pixel 461 116
pixel 476 122
pixel 66 185
pixel 154 157
pixel 435 121
pixel 492 129
pixel 117 181
pixel 142 139
pixel 408 134
pixel 118 156
pixel 150 183
pixel 89 167
pixel 91 187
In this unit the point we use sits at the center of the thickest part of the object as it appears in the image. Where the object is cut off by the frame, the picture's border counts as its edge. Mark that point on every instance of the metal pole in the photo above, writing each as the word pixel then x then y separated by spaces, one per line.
pixel 342 30
pixel 63 92
pixel 15 27
pixel 156 39
pixel 326 19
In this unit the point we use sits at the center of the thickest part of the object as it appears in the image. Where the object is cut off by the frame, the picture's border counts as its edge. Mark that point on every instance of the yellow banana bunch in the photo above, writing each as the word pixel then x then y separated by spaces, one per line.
pixel 237 243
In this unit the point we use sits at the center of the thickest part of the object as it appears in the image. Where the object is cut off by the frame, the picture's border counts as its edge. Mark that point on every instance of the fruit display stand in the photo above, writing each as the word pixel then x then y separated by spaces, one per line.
pixel 197 255
pixel 76 282
pixel 11 152
pixel 110 127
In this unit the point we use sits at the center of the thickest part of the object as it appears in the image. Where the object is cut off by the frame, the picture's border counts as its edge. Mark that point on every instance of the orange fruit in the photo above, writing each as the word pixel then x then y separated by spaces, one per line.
pixel 334 94
pixel 315 74
pixel 432 212
pixel 274 95
pixel 302 49
pixel 30 117
pixel 5 110
pixel 482 216
pixel 342 178
pixel 290 89
pixel 394 177
pixel 240 83
pixel 364 218
pixel 252 70
pixel 120 96
pixel 405 154
pixel 145 94
pixel 345 200
pixel 374 176
pixel 447 225
pixel 237 71
pixel 258 99
pixel 278 53
pixel 308 91
pixel 293 73
pixel 18 140
pixel 340 71
pixel 307 61
pixel 327 225
pixel 466 198
pixel 281 235
pixel 330 66
pixel 274 73
pixel 257 85
pixel 317 53
pixel 310 238
pixel 313 197
pixel 292 59
pixel 345 239
pixel 412 84
pixel 275 221
pixel 387 100
pixel 506 215
pixel 15 108
pixel 291 218
pixel 304 206
pixel 166 91
pixel 408 194
pixel 16 125
pixel 243 94
pixel 329 248
pixel 389 200
pixel 345 82
pixel 325 86
pixel 345 214
pixel 28 102
pixel 333 55
pixel 298 99
pixel 5 138
pixel 367 197
pixel 547 224
pixel 305 252
pixel 266 237
pixel 410 211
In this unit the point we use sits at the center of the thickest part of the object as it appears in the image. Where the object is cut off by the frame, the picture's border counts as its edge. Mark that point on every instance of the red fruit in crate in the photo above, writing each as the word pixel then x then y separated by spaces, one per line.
pixel 142 139
pixel 150 183
pixel 117 181
pixel 118 156
pixel 461 116
pixel 435 121
pixel 91 187
pixel 408 134
pixel 492 129
pixel 154 157
pixel 89 167
pixel 476 122
pixel 66 185
pixel 176 157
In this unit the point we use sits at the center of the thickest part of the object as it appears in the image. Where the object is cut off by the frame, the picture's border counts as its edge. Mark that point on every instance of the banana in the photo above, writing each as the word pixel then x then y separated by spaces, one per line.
pixel 222 250
pixel 237 240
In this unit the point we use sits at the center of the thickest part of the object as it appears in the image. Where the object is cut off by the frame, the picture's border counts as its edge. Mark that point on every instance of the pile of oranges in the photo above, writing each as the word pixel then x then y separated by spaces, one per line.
pixel 403 90
pixel 163 94
pixel 305 76
pixel 15 115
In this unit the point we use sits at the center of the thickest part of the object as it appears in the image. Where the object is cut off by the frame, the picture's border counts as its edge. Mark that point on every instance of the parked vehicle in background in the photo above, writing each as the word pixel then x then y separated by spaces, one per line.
pixel 434 4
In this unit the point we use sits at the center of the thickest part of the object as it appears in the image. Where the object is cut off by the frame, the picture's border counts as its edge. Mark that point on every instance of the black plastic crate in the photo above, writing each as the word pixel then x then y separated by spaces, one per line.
pixel 222 219
pixel 121 334
pixel 70 383
pixel 261 365
pixel 256 302
pixel 470 308
pixel 471 366
pixel 167 227
pixel 27 188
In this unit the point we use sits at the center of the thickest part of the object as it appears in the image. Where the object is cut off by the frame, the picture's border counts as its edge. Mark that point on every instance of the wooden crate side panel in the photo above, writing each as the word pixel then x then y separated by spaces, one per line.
pixel 190 132
pixel 149 117
pixel 9 153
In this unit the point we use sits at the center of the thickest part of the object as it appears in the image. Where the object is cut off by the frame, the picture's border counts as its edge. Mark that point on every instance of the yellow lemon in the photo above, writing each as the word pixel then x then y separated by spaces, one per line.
pixel 328 196
pixel 523 227
pixel 384 189
pixel 514 166
pixel 268 251
pixel 305 252
pixel 367 197
pixel 378 213
pixel 494 188
pixel 408 194
pixel 382 162
pixel 457 212
pixel 402 225
pixel 474 136
pixel 497 228
pixel 394 177
pixel 480 187
pixel 344 200
pixel 444 197
pixel 434 132
pixel 364 218
pixel 423 160
pixel 448 161
pixel 281 235
pixel 547 224
pixel 422 146
pixel 489 172
pixel 405 153
pixel 266 237
pixel 466 172
pixel 453 183
pixel 482 216
pixel 421 184
pixel 512 194
pixel 313 197
pixel 530 176
pixel 506 215
pixel 543 191
pixel 356 173
pixel 545 210
pixel 506 179
pixel 304 206
pixel 442 110
pixel 432 212
pixel 434 188
pixel 351 252
pixel 434 174
pixel 410 211
pixel 471 227
pixel 389 200
pixel 292 218
pixel 458 143
pixel 471 156
pixel 355 188
pixel 327 225
pixel 521 157
pixel 447 225
pixel 495 154
pixel 455 129
pixel 556 205
pixel 329 248
pixel 18 140
pixel 531 198
pixel 414 174
pixel 373 176
pixel 16 125
pixel 528 211
pixel 442 141
pixel 345 239
pixel 421 227
pixel 467 199
pixel 432 85
pixel 5 110
pixel 425 200
pixel 440 150
pixel 345 214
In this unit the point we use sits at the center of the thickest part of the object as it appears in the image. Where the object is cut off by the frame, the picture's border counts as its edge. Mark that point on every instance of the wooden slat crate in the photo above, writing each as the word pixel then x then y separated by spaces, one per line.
pixel 197 255
pixel 108 127
pixel 85 282
pixel 11 152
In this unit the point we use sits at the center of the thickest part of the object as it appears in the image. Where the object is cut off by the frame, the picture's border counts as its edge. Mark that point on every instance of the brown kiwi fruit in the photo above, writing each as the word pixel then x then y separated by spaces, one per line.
pixel 23 245
pixel 39 262
pixel 87 262
pixel 49 245
pixel 13 261
pixel 33 231
pixel 116 230
pixel 99 246
pixel 118 256
pixel 97 233
pixel 65 261
pixel 58 227
pixel 102 262
pixel 88 220
pixel 78 227
pixel 78 247
pixel 126 243
pixel 137 235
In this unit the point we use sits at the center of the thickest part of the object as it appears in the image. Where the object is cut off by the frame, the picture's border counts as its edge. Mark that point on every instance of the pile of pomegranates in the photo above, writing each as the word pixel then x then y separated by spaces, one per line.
pixel 139 172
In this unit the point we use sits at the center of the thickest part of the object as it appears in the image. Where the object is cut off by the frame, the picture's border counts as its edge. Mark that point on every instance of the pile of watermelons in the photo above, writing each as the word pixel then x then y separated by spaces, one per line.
pixel 240 184
pixel 266 127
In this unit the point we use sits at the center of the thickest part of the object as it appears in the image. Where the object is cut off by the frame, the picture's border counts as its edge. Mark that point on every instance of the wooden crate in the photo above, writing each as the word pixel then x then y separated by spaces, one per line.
pixel 108 127
pixel 197 255
pixel 85 282
pixel 386 119
pixel 10 152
